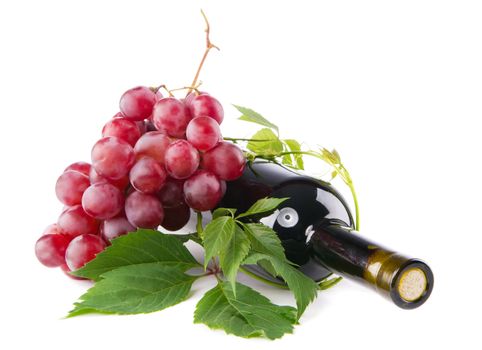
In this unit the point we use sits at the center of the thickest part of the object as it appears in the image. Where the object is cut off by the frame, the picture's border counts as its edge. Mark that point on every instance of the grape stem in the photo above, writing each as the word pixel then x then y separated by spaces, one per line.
pixel 163 86
pixel 209 46
pixel 195 88
pixel 199 224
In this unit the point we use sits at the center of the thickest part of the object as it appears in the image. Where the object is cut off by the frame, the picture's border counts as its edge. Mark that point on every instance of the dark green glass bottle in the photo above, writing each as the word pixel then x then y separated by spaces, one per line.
pixel 316 229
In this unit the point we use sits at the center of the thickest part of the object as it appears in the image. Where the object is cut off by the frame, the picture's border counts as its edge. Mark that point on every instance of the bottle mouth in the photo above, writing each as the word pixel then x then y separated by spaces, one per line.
pixel 408 281
pixel 412 284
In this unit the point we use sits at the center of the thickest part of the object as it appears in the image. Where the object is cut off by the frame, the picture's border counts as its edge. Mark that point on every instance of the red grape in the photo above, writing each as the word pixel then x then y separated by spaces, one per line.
pixel 171 116
pixel 102 201
pixel 202 191
pixel 176 218
pixel 137 103
pixel 112 157
pixel 207 106
pixel 123 129
pixel 182 159
pixel 121 184
pixel 144 210
pixel 152 144
pixel 115 227
pixel 50 249
pixel 75 221
pixel 171 194
pixel 147 175
pixel 203 133
pixel 225 160
pixel 188 99
pixel 52 229
pixel 191 96
pixel 81 167
pixel 95 178
pixel 83 249
pixel 70 186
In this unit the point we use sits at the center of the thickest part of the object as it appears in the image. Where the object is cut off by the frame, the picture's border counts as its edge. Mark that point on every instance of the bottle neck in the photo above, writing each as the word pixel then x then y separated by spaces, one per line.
pixel 406 281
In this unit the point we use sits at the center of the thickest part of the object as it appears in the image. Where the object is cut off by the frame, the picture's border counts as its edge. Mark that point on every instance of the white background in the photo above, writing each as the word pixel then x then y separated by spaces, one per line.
pixel 394 86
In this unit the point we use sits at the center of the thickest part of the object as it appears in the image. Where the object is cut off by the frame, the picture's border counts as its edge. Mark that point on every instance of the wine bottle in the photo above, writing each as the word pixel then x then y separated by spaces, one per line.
pixel 317 231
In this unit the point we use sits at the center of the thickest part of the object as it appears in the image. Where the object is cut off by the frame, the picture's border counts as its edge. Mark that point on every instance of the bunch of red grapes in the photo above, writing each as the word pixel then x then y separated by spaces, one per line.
pixel 157 158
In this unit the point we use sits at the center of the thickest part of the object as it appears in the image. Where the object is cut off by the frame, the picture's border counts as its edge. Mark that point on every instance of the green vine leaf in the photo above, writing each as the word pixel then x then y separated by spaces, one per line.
pixel 268 143
pixel 248 314
pixel 216 236
pixel 140 247
pixel 304 288
pixel 264 207
pixel 336 156
pixel 230 258
pixel 224 212
pixel 251 116
pixel 295 159
pixel 264 240
pixel 134 289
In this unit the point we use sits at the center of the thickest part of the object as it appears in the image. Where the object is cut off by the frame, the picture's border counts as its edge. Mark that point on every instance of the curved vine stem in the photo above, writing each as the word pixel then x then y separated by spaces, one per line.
pixel 209 46
pixel 357 208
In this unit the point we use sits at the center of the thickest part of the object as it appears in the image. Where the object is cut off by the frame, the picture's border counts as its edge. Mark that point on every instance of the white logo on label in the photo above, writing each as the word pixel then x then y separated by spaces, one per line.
pixel 288 217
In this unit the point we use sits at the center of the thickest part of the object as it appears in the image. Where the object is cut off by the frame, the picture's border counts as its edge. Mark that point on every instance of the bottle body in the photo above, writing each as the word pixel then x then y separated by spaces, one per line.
pixel 310 201
pixel 316 229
